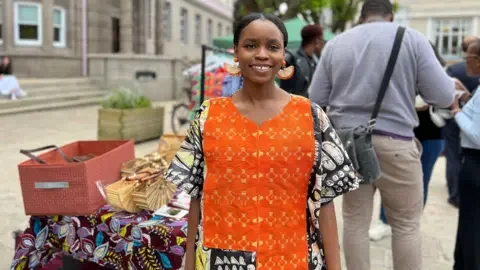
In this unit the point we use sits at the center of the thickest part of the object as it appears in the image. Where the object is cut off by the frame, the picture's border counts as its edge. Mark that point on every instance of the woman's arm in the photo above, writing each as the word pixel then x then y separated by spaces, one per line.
pixel 193 220
pixel 469 124
pixel 329 232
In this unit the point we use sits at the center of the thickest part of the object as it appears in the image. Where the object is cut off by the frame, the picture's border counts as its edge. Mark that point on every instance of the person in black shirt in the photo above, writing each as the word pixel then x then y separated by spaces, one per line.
pixel 304 60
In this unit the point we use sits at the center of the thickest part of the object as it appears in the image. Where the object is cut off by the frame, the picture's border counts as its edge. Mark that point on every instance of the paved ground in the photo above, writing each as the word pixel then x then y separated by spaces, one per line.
pixel 61 127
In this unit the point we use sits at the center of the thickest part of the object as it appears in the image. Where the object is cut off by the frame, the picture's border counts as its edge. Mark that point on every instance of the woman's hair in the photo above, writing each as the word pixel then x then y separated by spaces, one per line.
pixel 5 69
pixel 310 33
pixel 245 21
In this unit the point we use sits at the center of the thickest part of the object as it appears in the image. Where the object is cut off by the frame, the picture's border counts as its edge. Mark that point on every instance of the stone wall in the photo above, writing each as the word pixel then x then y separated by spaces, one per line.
pixel 117 70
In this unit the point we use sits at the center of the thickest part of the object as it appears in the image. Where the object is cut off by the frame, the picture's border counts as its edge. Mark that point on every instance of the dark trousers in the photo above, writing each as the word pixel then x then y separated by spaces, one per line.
pixel 451 133
pixel 467 247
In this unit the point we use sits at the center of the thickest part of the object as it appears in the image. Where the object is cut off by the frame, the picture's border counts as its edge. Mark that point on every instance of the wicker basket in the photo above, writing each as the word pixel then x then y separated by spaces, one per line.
pixel 169 145
pixel 153 194
pixel 120 195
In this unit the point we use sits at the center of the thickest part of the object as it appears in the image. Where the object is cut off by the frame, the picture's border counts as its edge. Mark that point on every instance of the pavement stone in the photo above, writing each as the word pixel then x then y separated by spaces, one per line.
pixel 30 130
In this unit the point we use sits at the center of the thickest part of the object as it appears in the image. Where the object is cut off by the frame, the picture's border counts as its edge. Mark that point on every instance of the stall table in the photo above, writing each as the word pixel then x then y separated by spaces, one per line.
pixel 116 240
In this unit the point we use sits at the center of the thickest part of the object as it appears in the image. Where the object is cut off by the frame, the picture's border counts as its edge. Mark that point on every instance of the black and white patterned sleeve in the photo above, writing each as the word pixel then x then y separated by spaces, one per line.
pixel 187 168
pixel 335 174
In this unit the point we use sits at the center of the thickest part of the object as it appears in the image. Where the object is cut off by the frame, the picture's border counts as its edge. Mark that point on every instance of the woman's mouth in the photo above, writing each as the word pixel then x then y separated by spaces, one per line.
pixel 261 68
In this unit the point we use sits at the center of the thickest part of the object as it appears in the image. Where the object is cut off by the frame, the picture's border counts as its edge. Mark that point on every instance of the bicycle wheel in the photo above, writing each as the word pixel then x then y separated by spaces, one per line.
pixel 180 118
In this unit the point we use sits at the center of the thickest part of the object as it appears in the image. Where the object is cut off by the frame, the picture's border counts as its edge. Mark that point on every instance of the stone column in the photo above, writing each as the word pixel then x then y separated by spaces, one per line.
pixel 159 27
pixel 47 27
pixel 150 21
pixel 126 26
pixel 8 27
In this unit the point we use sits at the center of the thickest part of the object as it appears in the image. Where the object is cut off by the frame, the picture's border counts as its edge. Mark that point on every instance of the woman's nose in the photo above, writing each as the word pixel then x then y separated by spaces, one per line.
pixel 262 53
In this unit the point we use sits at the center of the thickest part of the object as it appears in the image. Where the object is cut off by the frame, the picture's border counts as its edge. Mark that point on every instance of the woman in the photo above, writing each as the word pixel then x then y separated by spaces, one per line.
pixel 467 247
pixel 254 161
pixel 8 83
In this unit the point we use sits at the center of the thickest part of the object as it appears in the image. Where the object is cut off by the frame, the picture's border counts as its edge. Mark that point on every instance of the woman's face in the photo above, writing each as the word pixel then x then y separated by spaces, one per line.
pixel 260 51
pixel 6 61
pixel 472 60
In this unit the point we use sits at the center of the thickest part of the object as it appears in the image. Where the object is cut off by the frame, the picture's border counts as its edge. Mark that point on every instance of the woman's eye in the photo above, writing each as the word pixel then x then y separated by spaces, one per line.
pixel 250 46
pixel 274 48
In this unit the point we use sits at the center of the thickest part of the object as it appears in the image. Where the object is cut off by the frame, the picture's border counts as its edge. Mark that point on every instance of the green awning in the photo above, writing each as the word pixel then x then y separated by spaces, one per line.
pixel 294 28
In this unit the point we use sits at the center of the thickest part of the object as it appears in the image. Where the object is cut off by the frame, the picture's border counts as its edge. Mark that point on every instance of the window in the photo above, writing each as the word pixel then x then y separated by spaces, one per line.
pixel 1 25
pixel 210 31
pixel 59 27
pixel 184 26
pixel 227 30
pixel 448 35
pixel 28 23
pixel 198 29
pixel 219 29
pixel 167 21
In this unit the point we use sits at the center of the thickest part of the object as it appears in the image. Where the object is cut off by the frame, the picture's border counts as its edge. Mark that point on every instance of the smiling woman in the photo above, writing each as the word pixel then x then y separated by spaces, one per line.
pixel 254 161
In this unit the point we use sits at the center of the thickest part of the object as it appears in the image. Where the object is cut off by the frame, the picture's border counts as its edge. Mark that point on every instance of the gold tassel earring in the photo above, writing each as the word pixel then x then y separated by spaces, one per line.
pixel 234 69
pixel 285 73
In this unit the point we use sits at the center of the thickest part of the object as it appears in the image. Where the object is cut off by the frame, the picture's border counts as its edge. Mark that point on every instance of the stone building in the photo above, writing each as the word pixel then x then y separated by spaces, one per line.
pixel 444 22
pixel 56 38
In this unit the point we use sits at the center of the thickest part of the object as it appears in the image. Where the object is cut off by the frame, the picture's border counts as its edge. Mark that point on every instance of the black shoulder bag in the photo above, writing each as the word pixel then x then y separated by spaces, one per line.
pixel 358 141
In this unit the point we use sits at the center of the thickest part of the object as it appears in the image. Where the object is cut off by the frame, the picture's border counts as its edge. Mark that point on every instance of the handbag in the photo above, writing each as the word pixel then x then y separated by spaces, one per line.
pixel 358 141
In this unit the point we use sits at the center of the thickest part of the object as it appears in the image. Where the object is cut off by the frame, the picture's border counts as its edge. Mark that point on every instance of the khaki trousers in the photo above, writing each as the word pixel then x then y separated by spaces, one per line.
pixel 401 189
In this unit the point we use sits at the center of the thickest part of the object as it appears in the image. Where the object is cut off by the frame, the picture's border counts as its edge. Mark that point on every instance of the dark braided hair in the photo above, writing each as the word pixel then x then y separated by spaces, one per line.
pixel 376 7
pixel 245 21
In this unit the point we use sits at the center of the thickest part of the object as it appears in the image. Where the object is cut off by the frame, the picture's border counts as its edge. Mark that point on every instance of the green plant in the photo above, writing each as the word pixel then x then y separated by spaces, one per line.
pixel 125 98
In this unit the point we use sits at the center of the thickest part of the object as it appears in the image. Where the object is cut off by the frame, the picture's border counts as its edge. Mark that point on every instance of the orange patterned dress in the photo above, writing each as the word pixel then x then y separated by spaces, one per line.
pixel 261 187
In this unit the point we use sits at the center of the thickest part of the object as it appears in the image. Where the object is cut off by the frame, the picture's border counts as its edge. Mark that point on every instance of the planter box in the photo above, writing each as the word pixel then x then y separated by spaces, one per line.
pixel 130 124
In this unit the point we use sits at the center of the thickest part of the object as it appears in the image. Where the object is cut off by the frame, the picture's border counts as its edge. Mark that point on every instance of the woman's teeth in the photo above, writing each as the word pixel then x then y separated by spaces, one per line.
pixel 261 67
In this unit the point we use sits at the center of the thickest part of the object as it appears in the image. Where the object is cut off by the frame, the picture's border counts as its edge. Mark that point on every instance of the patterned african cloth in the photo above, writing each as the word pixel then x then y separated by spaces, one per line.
pixel 261 187
pixel 116 240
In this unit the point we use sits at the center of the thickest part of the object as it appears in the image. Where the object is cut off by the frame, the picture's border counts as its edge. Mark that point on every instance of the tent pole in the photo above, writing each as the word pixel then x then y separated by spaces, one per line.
pixel 202 75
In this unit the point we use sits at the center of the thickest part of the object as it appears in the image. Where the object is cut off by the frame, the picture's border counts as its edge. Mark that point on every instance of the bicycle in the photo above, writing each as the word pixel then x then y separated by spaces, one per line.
pixel 180 118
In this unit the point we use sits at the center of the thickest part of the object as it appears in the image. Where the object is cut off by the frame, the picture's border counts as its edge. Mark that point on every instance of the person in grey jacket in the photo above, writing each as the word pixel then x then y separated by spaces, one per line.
pixel 347 80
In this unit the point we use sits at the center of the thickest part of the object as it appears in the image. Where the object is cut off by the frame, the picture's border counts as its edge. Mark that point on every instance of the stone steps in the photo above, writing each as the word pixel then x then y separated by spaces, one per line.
pixel 53 93
pixel 51 106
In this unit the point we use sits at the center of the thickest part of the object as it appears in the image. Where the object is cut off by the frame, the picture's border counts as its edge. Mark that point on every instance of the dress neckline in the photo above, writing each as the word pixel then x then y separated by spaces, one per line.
pixel 279 114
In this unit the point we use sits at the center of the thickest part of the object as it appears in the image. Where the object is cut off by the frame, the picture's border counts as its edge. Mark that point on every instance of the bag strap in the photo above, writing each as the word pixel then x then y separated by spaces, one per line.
pixel 29 154
pixel 386 77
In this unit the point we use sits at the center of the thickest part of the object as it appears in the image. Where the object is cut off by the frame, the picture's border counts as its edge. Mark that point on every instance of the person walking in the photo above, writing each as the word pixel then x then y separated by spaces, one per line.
pixel 451 132
pixel 467 246
pixel 262 168
pixel 304 60
pixel 430 136
pixel 346 80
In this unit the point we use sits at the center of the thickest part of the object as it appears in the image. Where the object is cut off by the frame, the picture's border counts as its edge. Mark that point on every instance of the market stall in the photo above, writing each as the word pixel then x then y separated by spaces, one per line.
pixel 139 221
pixel 209 76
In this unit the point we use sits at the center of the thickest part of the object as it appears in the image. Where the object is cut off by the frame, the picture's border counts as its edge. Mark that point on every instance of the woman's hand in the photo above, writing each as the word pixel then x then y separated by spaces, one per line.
pixel 465 97
pixel 459 85
pixel 455 111
pixel 455 105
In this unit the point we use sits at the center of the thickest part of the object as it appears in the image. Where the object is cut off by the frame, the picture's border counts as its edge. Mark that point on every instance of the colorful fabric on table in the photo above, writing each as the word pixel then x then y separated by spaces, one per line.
pixel 112 239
